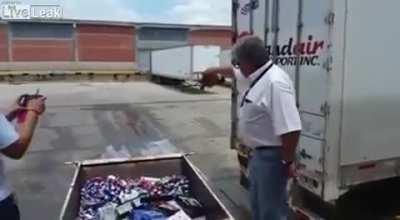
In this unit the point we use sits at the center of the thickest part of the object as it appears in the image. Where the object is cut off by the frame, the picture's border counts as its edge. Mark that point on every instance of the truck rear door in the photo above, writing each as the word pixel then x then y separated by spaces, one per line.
pixel 313 67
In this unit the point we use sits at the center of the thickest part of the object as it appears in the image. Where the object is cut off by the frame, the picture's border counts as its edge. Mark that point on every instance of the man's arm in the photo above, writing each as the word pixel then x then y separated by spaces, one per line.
pixel 11 116
pixel 286 118
pixel 226 71
pixel 289 144
pixel 26 130
pixel 211 75
pixel 14 110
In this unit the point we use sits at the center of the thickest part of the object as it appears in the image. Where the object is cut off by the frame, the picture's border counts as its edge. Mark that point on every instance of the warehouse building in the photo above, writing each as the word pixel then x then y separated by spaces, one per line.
pixel 71 45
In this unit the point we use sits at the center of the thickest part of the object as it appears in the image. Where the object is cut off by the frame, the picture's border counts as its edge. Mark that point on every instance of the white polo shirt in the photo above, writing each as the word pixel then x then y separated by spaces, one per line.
pixel 269 108
pixel 8 135
pixel 242 84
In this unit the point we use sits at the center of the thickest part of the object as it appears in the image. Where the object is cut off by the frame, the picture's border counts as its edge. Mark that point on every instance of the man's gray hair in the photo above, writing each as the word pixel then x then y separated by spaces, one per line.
pixel 250 49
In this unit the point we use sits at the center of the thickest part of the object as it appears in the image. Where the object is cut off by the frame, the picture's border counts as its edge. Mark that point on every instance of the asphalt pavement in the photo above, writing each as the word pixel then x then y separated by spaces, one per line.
pixel 84 119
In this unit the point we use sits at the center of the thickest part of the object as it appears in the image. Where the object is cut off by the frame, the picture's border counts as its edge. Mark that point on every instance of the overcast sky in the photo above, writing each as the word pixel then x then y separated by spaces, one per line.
pixel 166 11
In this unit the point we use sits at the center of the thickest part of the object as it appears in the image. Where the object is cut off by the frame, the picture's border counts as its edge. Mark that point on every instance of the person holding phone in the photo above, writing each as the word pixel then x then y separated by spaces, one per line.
pixel 14 142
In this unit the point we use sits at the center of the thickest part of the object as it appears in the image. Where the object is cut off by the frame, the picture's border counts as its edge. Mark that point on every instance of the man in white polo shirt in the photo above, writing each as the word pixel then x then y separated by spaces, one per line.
pixel 269 123
pixel 13 144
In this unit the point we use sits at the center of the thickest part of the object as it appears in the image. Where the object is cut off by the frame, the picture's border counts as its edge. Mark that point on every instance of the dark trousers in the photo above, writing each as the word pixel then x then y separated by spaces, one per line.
pixel 9 209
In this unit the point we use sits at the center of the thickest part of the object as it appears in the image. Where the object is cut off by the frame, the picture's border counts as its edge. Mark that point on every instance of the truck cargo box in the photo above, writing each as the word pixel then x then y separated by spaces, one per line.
pixel 342 58
pixel 161 166
pixel 182 63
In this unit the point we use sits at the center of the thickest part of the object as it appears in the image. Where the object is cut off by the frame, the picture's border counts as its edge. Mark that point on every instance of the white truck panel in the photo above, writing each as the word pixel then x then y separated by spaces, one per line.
pixel 371 95
pixel 287 23
pixel 144 60
pixel 225 58
pixel 243 14
pixel 270 34
pixel 260 20
pixel 313 85
pixel 315 39
pixel 205 57
pixel 174 63
pixel 332 178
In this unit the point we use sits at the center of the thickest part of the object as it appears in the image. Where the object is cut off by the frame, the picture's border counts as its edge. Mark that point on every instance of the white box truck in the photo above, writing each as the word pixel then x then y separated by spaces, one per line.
pixel 184 62
pixel 225 57
pixel 343 58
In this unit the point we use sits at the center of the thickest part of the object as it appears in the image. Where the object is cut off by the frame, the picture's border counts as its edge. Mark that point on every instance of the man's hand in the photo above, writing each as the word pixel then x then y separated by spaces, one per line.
pixel 291 170
pixel 209 80
pixel 210 76
pixel 37 105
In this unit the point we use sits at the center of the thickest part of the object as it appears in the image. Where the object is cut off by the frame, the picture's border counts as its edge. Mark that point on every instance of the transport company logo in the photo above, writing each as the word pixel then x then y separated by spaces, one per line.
pixel 309 52
pixel 291 54
pixel 16 11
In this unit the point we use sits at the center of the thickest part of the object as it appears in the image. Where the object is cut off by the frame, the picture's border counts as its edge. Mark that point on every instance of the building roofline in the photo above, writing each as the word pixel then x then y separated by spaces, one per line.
pixel 122 23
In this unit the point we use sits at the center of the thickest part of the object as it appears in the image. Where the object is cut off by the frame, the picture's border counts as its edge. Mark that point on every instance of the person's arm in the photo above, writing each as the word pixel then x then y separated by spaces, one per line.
pixel 286 119
pixel 210 77
pixel 289 143
pixel 226 71
pixel 11 115
pixel 14 110
pixel 26 130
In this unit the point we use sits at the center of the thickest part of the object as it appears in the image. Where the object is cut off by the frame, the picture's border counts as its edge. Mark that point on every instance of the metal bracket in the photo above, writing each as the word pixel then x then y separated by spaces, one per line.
pixel 235 4
pixel 300 25
pixel 327 65
pixel 275 29
pixel 325 109
pixel 267 29
pixel 330 18
pixel 189 154
pixel 255 4
pixel 73 163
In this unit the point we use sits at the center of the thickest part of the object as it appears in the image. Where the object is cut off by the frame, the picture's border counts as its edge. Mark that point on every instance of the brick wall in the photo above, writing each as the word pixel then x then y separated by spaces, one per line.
pixel 42 50
pixel 106 43
pixel 41 42
pixel 3 43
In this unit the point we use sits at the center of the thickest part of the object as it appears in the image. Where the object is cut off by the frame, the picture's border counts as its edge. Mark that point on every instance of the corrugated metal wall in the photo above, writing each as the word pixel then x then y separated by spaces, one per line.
pixel 42 42
pixel 153 38
pixel 221 38
pixel 157 38
pixel 41 30
pixel 106 43
pixel 163 34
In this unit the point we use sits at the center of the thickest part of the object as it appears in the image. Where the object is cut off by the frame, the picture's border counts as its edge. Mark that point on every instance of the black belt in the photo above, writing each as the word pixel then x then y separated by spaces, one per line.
pixel 261 148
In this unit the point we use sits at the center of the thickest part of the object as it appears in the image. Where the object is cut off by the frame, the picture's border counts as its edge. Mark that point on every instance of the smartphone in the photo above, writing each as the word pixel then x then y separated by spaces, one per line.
pixel 23 101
